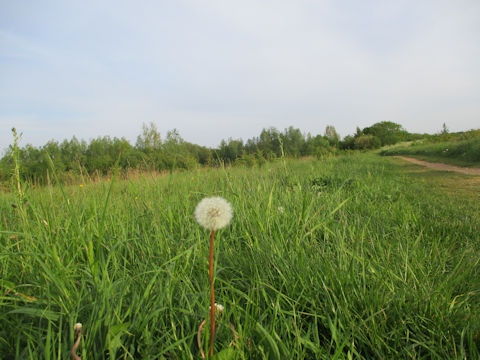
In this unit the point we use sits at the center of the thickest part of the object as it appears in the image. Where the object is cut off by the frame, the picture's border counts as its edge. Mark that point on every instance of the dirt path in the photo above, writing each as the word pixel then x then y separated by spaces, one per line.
pixel 444 167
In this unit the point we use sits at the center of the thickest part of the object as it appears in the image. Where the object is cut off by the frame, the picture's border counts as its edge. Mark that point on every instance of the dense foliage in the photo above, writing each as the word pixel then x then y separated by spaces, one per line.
pixel 77 158
pixel 377 135
pixel 347 257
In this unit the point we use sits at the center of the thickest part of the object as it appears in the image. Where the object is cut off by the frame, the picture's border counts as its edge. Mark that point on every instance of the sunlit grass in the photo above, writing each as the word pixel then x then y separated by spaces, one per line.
pixel 461 153
pixel 349 257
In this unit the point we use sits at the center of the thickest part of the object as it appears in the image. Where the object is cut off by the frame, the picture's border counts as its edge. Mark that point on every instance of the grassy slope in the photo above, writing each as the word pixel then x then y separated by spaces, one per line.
pixel 462 153
pixel 349 256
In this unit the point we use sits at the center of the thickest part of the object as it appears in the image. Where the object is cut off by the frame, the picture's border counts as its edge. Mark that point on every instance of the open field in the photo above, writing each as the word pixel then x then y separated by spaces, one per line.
pixel 459 152
pixel 359 256
pixel 443 167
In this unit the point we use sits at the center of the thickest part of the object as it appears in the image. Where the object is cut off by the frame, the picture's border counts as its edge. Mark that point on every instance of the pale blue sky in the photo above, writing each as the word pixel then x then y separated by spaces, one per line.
pixel 219 69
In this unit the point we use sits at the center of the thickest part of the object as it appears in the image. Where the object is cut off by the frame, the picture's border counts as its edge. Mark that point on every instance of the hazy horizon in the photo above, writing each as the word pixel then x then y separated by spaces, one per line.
pixel 23 141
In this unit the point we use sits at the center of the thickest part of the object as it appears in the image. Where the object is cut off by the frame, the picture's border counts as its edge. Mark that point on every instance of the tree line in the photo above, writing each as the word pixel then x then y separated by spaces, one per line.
pixel 152 152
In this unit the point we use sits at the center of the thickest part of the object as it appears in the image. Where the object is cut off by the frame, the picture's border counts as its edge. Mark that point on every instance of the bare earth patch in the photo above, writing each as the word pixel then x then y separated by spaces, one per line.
pixel 443 167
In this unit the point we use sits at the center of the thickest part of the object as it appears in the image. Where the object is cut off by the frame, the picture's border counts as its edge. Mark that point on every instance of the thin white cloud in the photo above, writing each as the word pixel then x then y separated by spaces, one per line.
pixel 217 69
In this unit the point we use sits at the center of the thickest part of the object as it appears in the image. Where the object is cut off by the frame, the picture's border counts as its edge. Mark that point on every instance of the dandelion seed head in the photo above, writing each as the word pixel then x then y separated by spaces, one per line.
pixel 77 326
pixel 213 213
pixel 218 308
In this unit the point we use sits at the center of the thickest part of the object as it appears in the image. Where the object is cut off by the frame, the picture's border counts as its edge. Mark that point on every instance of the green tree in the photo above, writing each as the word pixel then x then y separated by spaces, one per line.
pixel 293 141
pixel 175 152
pixel 365 142
pixel 332 135
pixel 269 142
pixel 150 139
pixel 73 153
pixel 387 132
pixel 230 150
pixel 317 145
pixel 348 143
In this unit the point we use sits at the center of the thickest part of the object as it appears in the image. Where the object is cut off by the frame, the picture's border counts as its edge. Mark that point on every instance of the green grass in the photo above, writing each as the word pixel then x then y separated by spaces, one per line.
pixel 359 257
pixel 462 153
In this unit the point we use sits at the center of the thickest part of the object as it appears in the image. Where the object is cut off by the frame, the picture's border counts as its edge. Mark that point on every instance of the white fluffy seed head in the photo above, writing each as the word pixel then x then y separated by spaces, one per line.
pixel 218 308
pixel 213 213
pixel 77 327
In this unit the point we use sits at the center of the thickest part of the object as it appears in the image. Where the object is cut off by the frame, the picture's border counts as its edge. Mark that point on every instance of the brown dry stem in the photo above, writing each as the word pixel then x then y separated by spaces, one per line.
pixel 78 335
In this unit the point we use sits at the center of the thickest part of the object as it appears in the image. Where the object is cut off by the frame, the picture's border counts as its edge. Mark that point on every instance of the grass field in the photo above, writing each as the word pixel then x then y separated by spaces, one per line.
pixel 355 257
pixel 461 153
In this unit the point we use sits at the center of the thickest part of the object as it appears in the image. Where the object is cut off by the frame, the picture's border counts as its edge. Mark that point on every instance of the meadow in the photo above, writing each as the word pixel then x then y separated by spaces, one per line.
pixel 350 257
pixel 454 151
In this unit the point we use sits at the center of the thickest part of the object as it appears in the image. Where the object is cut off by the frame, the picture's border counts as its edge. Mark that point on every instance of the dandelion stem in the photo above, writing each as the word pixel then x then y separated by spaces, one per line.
pixel 212 298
